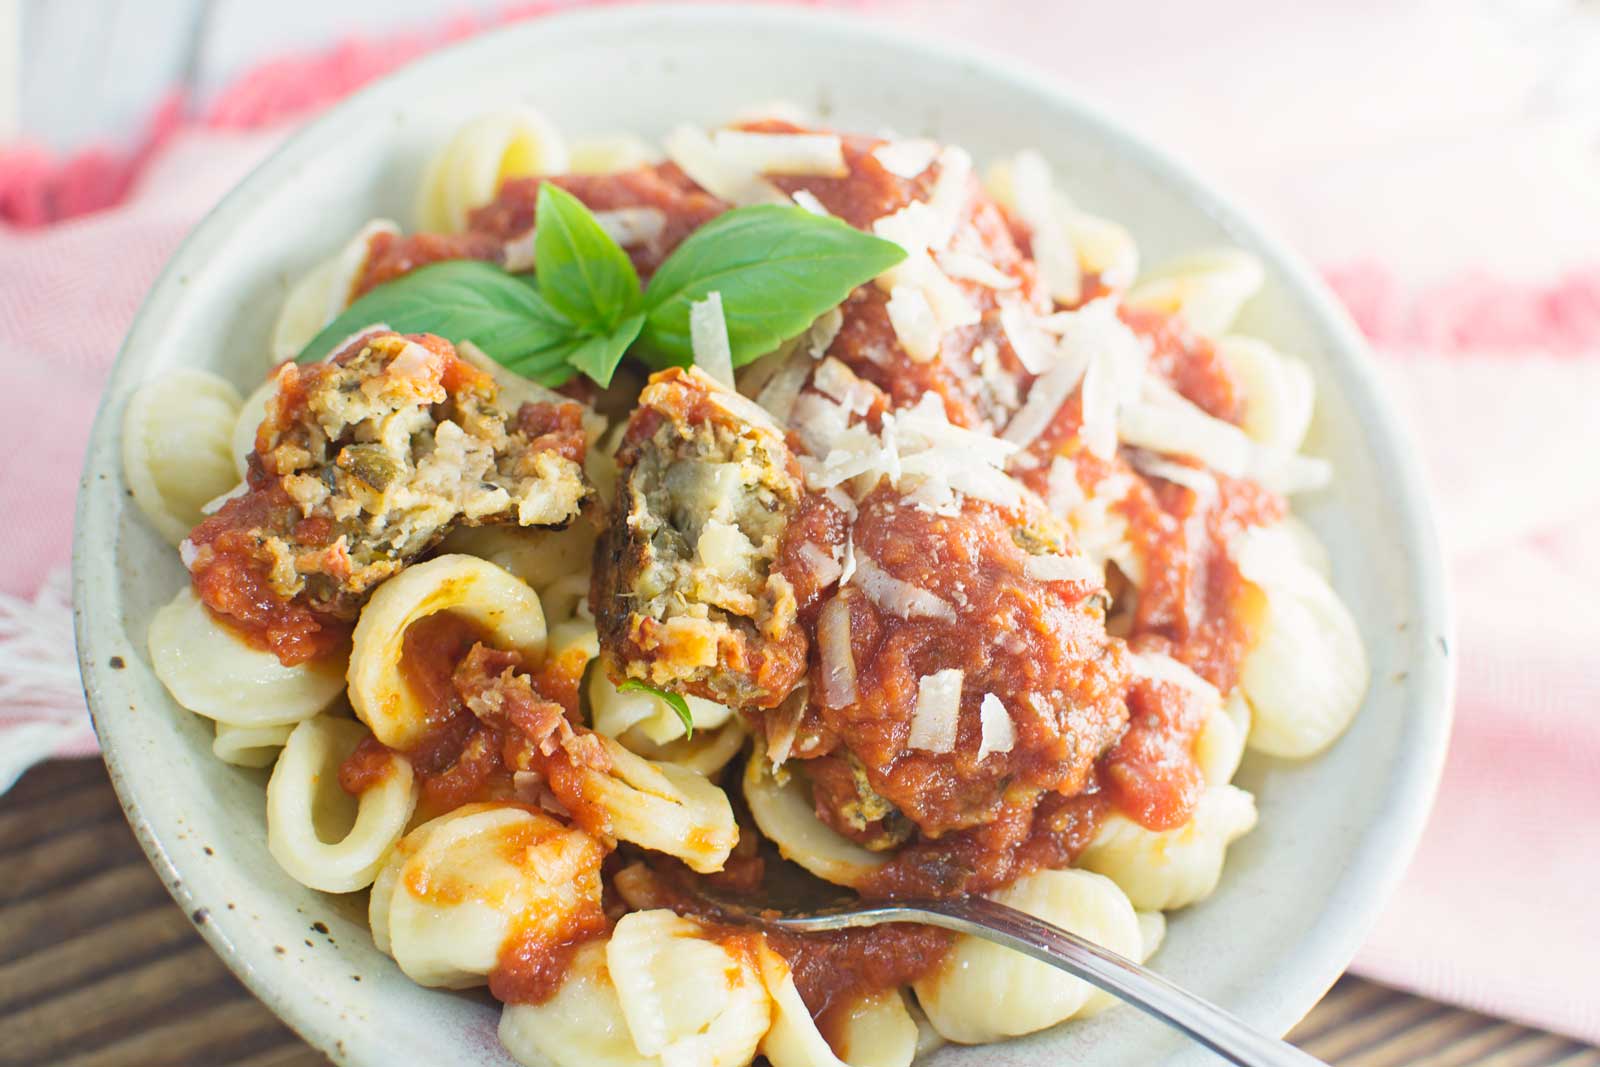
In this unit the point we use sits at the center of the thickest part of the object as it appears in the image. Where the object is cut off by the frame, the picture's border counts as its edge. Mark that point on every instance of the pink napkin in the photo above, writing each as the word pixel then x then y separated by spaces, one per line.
pixel 1494 350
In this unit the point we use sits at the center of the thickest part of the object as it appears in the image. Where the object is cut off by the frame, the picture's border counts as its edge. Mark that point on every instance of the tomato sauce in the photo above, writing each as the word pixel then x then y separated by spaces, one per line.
pixel 230 571
pixel 533 963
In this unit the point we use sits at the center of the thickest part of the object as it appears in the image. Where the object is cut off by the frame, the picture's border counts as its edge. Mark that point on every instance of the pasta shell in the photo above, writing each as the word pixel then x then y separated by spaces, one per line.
pixel 1206 289
pixel 686 998
pixel 1306 675
pixel 177 455
pixel 1159 870
pixel 466 585
pixel 616 712
pixel 580 1026
pixel 664 807
pixel 1152 931
pixel 248 423
pixel 1279 392
pixel 250 746
pixel 484 153
pixel 537 556
pixel 877 1031
pixel 458 887
pixel 609 154
pixel 319 297
pixel 786 818
pixel 321 836
pixel 211 671
pixel 982 992
pixel 1220 746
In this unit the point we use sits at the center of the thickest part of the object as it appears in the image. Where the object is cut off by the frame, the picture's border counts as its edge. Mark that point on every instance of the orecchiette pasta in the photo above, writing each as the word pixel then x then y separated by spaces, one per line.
pixel 1206 289
pixel 176 448
pixel 1279 392
pixel 323 837
pixel 1307 672
pixel 482 155
pixel 1160 870
pixel 785 816
pixel 617 712
pixel 688 999
pixel 503 605
pixel 1220 746
pixel 455 889
pixel 1103 248
pixel 1152 931
pixel 663 807
pixel 248 423
pixel 250 746
pixel 983 992
pixel 580 1026
pixel 607 155
pixel 877 1031
pixel 538 556
pixel 213 672
pixel 707 752
pixel 319 297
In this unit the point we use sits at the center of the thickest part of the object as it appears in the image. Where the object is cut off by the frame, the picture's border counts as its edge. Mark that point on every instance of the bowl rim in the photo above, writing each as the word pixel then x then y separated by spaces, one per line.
pixel 1387 845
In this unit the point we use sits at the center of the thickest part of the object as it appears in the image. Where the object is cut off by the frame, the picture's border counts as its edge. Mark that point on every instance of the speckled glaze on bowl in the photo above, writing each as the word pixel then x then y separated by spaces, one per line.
pixel 1299 892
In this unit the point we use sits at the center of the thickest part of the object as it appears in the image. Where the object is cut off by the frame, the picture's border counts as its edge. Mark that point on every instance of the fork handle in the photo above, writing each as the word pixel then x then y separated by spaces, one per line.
pixel 1223 1033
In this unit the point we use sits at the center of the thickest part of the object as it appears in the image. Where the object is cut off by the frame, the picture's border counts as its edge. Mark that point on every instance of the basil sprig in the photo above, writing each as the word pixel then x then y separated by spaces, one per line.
pixel 676 702
pixel 776 268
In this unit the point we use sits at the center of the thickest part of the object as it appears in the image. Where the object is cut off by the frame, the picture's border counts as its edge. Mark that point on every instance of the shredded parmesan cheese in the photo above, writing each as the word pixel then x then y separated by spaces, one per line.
pixel 1157 667
pixel 822 564
pixel 632 226
pixel 697 156
pixel 898 597
pixel 822 333
pixel 908 158
pixel 799 154
pixel 807 199
pixel 837 680
pixel 1033 348
pixel 1062 569
pixel 914 323
pixel 1049 392
pixel 708 336
pixel 1052 248
pixel 937 719
pixel 1202 482
pixel 971 268
pixel 518 251
pixel 999 733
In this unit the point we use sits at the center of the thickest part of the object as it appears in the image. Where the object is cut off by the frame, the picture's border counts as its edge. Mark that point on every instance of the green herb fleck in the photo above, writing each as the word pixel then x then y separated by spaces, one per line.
pixel 675 701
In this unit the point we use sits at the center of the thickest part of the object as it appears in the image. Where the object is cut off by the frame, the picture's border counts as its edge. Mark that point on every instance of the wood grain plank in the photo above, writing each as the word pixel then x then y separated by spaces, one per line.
pixel 87 905
pixel 292 1053
pixel 87 803
pixel 65 858
pixel 99 969
pixel 59 967
pixel 124 1005
pixel 222 1033
pixel 1392 1017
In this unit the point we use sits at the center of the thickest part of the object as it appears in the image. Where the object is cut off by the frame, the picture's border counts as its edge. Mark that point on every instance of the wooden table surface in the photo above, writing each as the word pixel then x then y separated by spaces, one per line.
pixel 98 968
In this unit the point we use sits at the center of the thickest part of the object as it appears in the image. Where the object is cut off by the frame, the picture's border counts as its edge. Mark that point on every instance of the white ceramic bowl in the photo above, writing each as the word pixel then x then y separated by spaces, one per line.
pixel 1299 892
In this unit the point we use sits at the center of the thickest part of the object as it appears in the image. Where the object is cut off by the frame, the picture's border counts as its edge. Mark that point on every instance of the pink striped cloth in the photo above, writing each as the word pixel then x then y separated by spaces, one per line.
pixel 1488 324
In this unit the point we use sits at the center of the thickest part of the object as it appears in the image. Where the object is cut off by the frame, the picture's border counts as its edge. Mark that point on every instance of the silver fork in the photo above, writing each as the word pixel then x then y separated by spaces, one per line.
pixel 1224 1034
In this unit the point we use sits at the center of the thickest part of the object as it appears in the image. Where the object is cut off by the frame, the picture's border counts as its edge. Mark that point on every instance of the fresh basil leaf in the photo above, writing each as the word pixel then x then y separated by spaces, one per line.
pixel 679 705
pixel 777 269
pixel 582 272
pixel 598 355
pixel 462 300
